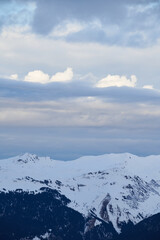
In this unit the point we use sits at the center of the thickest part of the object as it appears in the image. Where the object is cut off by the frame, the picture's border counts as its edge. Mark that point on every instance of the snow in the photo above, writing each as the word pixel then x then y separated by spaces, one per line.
pixel 125 186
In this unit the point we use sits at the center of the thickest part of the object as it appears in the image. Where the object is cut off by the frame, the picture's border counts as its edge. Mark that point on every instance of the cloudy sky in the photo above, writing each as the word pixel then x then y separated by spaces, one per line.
pixel 79 77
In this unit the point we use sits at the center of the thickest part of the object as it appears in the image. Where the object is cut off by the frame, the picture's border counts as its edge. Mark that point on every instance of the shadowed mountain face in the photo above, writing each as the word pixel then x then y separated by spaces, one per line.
pixel 148 229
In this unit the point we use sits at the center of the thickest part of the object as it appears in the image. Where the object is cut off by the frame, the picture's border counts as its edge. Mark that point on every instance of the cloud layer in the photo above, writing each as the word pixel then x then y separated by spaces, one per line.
pixel 66 121
pixel 23 51
pixel 120 22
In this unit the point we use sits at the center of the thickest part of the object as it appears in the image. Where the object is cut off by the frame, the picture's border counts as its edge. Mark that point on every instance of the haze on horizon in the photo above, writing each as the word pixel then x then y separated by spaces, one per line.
pixel 79 77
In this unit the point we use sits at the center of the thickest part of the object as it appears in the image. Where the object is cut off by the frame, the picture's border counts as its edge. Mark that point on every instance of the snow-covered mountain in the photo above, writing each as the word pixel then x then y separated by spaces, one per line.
pixel 112 188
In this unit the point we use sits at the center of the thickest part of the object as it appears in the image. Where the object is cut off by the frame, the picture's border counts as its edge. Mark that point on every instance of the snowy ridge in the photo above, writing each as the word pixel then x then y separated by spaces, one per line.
pixel 113 187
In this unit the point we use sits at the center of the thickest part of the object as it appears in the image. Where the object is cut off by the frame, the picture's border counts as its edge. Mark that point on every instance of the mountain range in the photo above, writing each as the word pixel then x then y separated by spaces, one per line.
pixel 112 196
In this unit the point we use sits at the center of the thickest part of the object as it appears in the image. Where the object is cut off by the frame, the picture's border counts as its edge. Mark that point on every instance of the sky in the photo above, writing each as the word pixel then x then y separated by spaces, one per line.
pixel 79 77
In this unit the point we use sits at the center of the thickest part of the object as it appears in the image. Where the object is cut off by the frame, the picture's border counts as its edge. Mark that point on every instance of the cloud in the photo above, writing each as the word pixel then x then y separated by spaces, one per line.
pixel 13 77
pixel 20 51
pixel 97 120
pixel 78 88
pixel 78 112
pixel 38 76
pixel 117 81
pixel 67 28
pixel 65 76
pixel 148 86
pixel 122 22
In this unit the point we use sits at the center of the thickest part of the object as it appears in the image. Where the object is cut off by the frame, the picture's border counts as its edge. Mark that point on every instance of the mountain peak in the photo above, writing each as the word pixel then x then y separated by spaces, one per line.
pixel 27 157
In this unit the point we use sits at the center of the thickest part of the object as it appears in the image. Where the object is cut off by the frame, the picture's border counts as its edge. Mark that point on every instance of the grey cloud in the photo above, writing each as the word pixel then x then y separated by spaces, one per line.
pixel 138 21
pixel 25 104
pixel 26 91
pixel 53 12
pixel 92 34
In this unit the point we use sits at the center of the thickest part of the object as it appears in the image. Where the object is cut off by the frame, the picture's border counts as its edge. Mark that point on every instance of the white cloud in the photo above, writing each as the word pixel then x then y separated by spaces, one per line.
pixel 38 76
pixel 117 81
pixel 65 76
pixel 13 77
pixel 64 30
pixel 148 86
